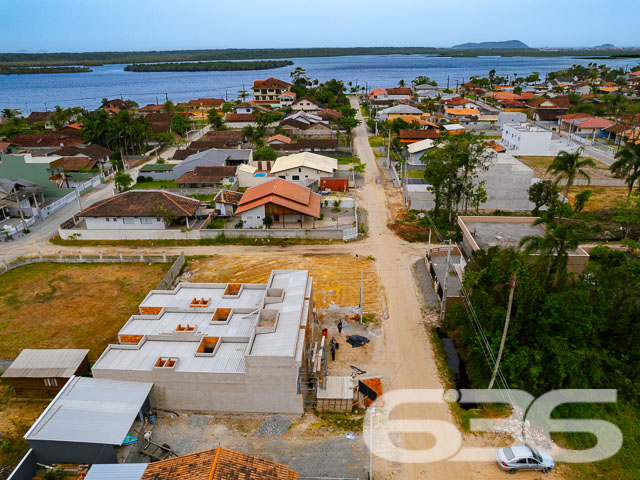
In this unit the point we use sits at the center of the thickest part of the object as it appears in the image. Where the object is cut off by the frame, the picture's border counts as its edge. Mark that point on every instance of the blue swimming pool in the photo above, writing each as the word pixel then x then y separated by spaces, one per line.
pixel 261 174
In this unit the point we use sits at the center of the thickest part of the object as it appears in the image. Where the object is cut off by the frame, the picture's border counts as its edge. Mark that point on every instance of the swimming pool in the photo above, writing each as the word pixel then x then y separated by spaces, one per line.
pixel 261 174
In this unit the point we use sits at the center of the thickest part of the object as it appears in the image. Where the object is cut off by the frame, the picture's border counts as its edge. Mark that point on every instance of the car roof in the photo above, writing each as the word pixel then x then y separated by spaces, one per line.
pixel 522 451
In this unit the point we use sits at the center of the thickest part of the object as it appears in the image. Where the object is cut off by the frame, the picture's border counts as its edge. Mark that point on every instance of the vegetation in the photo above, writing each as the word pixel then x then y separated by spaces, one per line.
pixel 101 58
pixel 341 421
pixel 207 66
pixel 122 181
pixel 22 70
pixel 147 184
pixel 627 166
pixel 568 166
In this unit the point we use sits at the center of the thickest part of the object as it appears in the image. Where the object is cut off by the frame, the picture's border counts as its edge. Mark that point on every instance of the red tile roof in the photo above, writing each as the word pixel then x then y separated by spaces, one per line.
pixel 270 83
pixel 240 117
pixel 152 108
pixel 47 139
pixel 75 164
pixel 228 197
pixel 206 102
pixel 419 134
pixel 561 103
pixel 329 114
pixel 282 193
pixel 280 138
pixel 399 91
pixel 142 203
pixel 457 101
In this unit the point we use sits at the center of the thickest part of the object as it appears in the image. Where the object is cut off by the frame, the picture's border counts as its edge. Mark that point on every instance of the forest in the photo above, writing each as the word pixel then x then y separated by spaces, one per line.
pixel 13 70
pixel 207 66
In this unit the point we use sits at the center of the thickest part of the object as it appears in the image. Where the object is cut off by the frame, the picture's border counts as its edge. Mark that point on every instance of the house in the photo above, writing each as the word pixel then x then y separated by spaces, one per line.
pixel 240 118
pixel 482 233
pixel 222 347
pixel 114 106
pixel 417 149
pixel 513 106
pixel 280 199
pixel 307 104
pixel 244 108
pixel 549 109
pixel 269 90
pixel 458 103
pixel 277 140
pixel 226 202
pixel 41 117
pixel 87 422
pixel 212 157
pixel 75 164
pixel 151 108
pixel 306 124
pixel 584 124
pixel 503 96
pixel 400 110
pixel 141 210
pixel 203 177
pixel 207 103
pixel 286 99
pixel 437 94
pixel 633 79
pixel 21 195
pixel 95 152
pixel 412 136
pixel 252 175
pixel 44 142
pixel 40 171
pixel 511 117
pixel 526 139
pixel 44 372
pixel 316 145
pixel 453 128
pixel 461 114
pixel 215 464
pixel 401 93
pixel 329 115
pixel 303 166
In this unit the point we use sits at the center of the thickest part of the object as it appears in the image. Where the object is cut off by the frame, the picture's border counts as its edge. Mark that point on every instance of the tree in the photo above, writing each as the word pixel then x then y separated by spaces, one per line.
pixel 299 78
pixel 160 211
pixel 401 83
pixel 542 193
pixel 348 124
pixel 216 120
pixel 267 221
pixel 265 154
pixel 14 126
pixel 627 166
pixel 10 112
pixel 243 95
pixel 422 80
pixel 517 90
pixel 168 107
pixel 568 166
pixel 227 107
pixel 122 180
pixel 180 125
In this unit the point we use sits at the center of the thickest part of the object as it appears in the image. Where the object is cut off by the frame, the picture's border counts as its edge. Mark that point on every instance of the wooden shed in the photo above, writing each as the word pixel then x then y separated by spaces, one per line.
pixel 336 394
pixel 43 372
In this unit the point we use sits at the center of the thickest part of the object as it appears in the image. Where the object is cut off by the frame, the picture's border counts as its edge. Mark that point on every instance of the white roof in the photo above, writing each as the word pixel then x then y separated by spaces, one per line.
pixel 49 363
pixel 247 168
pixel 420 146
pixel 403 110
pixel 91 410
pixel 121 471
pixel 453 126
pixel 336 387
pixel 305 159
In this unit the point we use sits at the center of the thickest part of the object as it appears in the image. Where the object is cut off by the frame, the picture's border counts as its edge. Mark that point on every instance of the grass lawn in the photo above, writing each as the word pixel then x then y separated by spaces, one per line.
pixel 375 141
pixel 203 197
pixel 16 416
pixel 602 198
pixel 52 305
pixel 156 184
pixel 544 162
pixel 416 173
pixel 218 223
pixel 348 160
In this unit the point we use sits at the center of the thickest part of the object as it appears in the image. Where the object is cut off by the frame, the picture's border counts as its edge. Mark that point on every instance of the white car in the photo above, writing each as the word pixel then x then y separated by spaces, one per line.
pixel 514 459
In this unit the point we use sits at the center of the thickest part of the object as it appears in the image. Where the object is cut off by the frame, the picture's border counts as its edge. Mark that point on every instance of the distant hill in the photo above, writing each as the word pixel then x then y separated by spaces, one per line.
pixel 605 45
pixel 507 44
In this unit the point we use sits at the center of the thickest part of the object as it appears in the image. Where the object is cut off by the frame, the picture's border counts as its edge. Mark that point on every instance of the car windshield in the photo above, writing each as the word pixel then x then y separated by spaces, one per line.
pixel 508 453
pixel 536 455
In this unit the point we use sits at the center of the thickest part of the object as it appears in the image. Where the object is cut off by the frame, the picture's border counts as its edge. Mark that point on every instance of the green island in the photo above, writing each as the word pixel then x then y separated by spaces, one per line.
pixel 102 58
pixel 13 70
pixel 207 66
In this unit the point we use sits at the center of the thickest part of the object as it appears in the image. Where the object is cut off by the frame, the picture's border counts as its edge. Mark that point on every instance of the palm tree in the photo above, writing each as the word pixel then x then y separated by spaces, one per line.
pixel 514 281
pixel 402 83
pixel 10 112
pixel 568 166
pixel 627 165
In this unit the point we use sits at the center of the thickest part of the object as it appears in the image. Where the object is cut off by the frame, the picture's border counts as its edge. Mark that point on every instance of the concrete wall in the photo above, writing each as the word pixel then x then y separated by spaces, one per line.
pixel 163 175
pixel 246 179
pixel 328 234
pixel 524 141
pixel 253 218
pixel 109 223
pixel 302 173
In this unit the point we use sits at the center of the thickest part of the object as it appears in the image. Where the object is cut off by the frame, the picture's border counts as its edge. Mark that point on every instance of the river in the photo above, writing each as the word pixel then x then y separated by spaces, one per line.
pixel 39 91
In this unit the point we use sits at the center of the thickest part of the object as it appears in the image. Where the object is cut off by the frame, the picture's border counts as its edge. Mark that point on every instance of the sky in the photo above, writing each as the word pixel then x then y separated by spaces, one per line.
pixel 120 25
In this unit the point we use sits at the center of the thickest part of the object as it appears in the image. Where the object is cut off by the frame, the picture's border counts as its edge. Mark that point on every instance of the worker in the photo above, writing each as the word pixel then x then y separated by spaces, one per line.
pixel 333 351
pixel 340 327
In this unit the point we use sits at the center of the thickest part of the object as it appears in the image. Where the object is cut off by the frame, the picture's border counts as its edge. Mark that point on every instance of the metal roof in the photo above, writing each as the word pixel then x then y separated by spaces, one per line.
pixel 305 159
pixel 49 363
pixel 91 410
pixel 121 471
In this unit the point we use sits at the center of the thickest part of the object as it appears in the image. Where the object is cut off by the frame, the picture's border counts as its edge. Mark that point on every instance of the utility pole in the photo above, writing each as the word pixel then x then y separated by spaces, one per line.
pixel 24 224
pixel 166 97
pixel 443 305
pixel 389 149
pixel 156 99
pixel 447 82
pixel 361 294
pixel 371 414
pixel 456 85
pixel 78 197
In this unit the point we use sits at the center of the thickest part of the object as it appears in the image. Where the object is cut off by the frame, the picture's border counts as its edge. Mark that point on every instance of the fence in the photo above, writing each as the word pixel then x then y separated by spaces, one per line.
pixel 167 281
pixel 349 233
pixel 18 227
pixel 70 197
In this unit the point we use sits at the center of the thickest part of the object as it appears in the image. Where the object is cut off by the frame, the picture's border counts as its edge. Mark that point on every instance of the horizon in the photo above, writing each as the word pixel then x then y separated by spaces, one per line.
pixel 134 26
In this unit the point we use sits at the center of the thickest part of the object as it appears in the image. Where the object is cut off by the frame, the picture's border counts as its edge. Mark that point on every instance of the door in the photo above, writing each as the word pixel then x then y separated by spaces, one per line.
pixel 276 218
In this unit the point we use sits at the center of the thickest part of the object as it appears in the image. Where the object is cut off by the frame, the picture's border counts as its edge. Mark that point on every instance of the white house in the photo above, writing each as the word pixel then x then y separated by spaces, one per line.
pixel 303 166
pixel 417 149
pixel 528 139
pixel 226 202
pixel 307 104
pixel 286 99
pixel 140 210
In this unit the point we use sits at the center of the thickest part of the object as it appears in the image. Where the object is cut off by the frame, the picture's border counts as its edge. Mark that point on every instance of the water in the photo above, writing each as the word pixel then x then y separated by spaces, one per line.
pixel 33 92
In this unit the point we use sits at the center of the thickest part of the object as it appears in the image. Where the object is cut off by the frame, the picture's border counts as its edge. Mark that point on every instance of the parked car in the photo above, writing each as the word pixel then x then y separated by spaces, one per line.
pixel 514 459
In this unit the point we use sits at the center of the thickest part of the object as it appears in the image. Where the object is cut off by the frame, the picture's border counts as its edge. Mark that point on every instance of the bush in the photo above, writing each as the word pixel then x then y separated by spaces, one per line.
pixel 240 224
pixel 143 179
pixel 268 221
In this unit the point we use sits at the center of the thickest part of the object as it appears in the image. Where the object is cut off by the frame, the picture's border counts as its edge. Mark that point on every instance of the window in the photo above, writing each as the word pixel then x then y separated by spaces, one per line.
pixel 295 177
pixel 107 219
pixel 127 220
pixel 115 219
pixel 299 170
pixel 50 382
pixel 146 220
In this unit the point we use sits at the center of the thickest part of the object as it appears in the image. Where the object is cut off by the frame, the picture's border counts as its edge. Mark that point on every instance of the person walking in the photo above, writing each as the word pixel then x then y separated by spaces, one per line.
pixel 340 327
pixel 333 352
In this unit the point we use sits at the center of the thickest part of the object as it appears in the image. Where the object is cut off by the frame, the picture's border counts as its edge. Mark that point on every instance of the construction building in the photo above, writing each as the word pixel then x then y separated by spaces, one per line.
pixel 227 347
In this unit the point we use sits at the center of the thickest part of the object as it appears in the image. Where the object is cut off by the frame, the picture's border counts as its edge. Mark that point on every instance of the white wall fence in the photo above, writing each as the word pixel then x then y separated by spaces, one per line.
pixel 13 230
pixel 70 197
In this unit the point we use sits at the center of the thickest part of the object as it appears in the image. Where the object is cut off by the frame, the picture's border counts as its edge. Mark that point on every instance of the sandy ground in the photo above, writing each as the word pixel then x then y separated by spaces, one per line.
pixel 336 278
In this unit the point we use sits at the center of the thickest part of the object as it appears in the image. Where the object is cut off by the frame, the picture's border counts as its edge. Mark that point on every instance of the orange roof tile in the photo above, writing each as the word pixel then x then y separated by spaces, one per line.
pixel 462 111
pixel 283 193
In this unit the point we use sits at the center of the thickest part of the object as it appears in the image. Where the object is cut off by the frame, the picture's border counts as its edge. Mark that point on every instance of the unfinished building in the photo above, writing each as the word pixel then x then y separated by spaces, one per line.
pixel 219 347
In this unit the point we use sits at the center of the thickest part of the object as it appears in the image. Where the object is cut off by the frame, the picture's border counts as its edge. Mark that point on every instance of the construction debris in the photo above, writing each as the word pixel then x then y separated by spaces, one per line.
pixel 357 340
pixel 274 425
